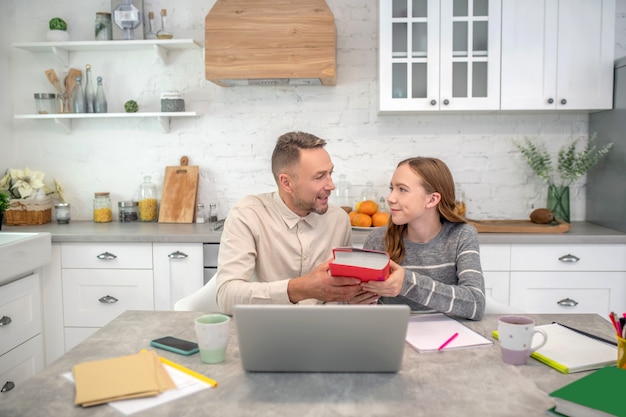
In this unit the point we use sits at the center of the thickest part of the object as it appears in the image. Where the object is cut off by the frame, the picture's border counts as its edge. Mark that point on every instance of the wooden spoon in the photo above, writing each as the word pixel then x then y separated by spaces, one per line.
pixel 70 80
pixel 54 80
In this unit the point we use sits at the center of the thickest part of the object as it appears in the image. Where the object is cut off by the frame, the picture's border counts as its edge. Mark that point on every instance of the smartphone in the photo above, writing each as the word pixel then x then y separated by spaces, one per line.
pixel 176 345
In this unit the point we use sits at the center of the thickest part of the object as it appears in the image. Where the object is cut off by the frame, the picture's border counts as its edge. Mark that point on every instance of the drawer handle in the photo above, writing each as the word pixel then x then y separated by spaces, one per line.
pixel 107 256
pixel 178 255
pixel 107 299
pixel 569 258
pixel 8 386
pixel 567 302
pixel 5 320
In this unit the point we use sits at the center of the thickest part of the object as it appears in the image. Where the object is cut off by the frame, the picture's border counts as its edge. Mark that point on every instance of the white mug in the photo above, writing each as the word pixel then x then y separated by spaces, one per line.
pixel 516 337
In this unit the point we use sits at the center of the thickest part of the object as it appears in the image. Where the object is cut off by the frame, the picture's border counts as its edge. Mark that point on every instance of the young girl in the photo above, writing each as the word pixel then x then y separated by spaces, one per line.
pixel 434 252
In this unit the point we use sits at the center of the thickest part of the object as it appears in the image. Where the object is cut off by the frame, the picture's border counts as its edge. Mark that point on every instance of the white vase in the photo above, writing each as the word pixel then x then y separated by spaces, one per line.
pixel 58 35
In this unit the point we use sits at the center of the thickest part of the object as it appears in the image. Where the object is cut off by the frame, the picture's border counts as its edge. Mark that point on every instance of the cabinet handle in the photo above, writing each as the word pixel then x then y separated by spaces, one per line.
pixel 567 302
pixel 446 102
pixel 5 320
pixel 563 101
pixel 8 386
pixel 550 100
pixel 107 256
pixel 433 102
pixel 107 299
pixel 178 255
pixel 569 258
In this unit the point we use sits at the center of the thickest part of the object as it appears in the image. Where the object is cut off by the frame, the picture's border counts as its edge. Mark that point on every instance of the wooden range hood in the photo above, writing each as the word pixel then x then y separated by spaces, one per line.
pixel 270 42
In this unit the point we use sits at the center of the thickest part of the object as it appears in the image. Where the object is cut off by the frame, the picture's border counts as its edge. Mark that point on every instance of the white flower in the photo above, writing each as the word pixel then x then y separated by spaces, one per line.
pixel 26 182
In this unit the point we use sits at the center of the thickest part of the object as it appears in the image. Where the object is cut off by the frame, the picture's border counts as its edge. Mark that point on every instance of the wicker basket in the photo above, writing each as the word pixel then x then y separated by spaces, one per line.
pixel 25 212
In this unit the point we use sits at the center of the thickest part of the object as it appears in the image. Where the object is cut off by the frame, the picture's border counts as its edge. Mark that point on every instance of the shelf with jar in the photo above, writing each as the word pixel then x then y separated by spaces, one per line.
pixel 62 50
pixel 65 119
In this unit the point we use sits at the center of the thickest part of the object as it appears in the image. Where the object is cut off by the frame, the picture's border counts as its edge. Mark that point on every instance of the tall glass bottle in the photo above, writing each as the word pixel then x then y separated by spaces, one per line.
pixel 90 92
pixel 165 32
pixel 78 98
pixel 147 200
pixel 100 103
pixel 152 32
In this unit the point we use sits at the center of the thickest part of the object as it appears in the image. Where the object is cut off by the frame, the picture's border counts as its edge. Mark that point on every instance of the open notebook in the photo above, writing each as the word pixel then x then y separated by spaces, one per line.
pixel 568 350
pixel 428 332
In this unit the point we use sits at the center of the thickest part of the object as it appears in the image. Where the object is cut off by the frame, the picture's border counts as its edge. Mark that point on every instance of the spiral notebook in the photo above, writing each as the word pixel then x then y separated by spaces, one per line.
pixel 569 350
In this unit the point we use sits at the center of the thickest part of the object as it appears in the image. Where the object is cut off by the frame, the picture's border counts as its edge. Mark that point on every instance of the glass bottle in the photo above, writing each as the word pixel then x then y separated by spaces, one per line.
pixel 342 194
pixel 127 17
pixel 102 212
pixel 200 213
pixel 100 103
pixel 369 193
pixel 90 92
pixel 147 200
pixel 164 32
pixel 103 27
pixel 78 98
pixel 213 213
pixel 152 33
pixel 382 205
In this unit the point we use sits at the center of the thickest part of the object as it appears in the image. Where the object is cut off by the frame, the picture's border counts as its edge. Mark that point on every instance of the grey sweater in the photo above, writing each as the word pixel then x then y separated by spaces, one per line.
pixel 442 275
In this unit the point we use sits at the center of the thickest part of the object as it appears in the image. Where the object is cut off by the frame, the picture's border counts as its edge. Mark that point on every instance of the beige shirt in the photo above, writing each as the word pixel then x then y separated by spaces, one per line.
pixel 264 244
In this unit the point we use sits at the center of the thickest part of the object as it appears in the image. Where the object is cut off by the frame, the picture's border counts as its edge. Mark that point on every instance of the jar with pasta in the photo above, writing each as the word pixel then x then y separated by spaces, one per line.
pixel 102 212
pixel 147 200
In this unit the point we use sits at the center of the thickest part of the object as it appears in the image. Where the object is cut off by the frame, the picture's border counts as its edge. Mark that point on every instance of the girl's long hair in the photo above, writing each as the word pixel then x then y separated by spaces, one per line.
pixel 435 177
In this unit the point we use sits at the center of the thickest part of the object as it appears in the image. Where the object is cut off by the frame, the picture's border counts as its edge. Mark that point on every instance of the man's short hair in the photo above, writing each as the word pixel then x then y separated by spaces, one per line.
pixel 287 150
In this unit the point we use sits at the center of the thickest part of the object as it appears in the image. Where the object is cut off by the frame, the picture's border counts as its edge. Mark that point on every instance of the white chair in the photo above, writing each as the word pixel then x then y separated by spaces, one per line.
pixel 202 300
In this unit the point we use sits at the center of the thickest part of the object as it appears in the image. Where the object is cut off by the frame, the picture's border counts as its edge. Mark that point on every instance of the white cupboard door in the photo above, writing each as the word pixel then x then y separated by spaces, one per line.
pixel 408 55
pixel 470 55
pixel 529 54
pixel 178 272
pixel 19 364
pixel 20 312
pixel 586 52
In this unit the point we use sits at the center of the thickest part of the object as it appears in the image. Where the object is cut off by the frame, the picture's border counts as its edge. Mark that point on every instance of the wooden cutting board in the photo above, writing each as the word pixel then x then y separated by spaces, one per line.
pixel 178 199
pixel 517 226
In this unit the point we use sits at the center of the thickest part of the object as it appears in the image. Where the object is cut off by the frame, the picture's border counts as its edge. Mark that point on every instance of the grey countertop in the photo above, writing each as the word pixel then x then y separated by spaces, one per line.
pixel 467 382
pixel 87 231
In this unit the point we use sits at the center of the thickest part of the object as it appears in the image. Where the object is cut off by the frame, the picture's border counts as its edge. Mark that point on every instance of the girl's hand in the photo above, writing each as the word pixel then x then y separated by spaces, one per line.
pixel 391 287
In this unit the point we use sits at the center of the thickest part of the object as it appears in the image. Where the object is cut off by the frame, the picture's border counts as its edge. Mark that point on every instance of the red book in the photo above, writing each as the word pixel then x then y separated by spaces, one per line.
pixel 365 264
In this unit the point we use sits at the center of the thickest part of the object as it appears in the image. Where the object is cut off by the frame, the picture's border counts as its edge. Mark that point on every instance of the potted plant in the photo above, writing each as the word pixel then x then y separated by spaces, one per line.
pixel 58 30
pixel 4 205
pixel 571 165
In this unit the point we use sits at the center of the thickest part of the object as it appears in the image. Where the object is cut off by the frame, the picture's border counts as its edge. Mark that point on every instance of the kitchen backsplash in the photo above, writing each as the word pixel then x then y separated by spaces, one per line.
pixel 233 135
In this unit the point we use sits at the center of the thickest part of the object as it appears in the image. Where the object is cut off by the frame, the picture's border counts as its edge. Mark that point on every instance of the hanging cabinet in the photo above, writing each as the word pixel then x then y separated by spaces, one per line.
pixel 439 55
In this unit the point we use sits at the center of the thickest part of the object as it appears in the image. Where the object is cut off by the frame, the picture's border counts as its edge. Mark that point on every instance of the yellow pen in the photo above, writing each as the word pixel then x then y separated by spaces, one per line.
pixel 188 371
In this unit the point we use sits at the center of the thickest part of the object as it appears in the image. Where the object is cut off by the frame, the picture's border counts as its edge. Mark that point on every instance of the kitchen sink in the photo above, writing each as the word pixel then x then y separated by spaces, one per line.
pixel 21 253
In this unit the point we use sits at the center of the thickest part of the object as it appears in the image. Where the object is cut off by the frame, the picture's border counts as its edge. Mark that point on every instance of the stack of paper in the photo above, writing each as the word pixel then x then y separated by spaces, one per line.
pixel 132 376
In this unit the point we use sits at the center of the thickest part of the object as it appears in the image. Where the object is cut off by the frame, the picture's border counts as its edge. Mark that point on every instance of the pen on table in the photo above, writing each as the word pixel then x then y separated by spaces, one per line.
pixel 448 341
pixel 188 371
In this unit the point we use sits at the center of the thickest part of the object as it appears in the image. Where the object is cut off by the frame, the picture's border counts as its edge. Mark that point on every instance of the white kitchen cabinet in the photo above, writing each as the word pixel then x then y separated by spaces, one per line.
pixel 439 55
pixel 21 342
pixel 495 261
pixel 178 272
pixel 574 278
pixel 63 51
pixel 557 54
pixel 101 281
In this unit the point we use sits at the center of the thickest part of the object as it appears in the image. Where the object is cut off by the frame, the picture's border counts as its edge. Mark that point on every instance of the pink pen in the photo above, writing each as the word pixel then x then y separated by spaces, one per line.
pixel 448 341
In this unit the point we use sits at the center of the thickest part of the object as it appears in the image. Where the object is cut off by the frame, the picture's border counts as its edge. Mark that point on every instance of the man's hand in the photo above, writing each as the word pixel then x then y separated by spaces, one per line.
pixel 320 285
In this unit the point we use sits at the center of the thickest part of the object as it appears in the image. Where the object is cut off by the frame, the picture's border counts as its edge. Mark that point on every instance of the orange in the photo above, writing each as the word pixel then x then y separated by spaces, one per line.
pixel 352 214
pixel 362 220
pixel 368 207
pixel 380 218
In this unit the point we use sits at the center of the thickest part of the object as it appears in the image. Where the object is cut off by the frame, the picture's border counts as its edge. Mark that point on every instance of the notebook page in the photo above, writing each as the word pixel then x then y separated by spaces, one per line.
pixel 426 332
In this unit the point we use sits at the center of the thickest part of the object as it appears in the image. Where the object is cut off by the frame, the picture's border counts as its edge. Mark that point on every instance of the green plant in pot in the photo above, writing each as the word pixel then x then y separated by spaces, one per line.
pixel 571 165
pixel 4 205
pixel 58 30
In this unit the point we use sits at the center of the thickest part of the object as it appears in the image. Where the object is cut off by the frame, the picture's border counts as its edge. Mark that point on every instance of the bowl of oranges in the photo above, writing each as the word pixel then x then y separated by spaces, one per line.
pixel 367 215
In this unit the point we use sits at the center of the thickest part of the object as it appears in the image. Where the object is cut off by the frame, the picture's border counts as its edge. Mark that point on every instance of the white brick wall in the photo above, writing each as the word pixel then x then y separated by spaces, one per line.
pixel 233 136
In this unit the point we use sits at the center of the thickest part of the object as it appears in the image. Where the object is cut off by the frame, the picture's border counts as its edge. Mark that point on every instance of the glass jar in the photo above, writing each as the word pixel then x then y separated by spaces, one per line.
pixel 147 200
pixel 128 211
pixel 46 103
pixel 369 193
pixel 200 218
pixel 102 212
pixel 62 213
pixel 104 27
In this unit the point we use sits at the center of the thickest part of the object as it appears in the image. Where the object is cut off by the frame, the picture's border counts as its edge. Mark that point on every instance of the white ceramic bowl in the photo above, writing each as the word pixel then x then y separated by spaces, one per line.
pixel 58 35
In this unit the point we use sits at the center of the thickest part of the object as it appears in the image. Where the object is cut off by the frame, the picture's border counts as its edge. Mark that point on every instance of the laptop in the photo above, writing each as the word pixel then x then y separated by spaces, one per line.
pixel 321 338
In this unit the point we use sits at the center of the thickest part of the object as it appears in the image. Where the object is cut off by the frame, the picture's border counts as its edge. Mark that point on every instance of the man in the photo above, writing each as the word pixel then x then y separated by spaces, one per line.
pixel 275 247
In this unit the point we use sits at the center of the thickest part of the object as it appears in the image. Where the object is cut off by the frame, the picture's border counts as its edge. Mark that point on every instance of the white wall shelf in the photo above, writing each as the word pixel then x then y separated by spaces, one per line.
pixel 62 50
pixel 65 119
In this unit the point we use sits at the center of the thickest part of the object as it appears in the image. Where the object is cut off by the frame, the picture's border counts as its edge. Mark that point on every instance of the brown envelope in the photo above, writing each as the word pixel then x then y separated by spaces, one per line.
pixel 132 376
